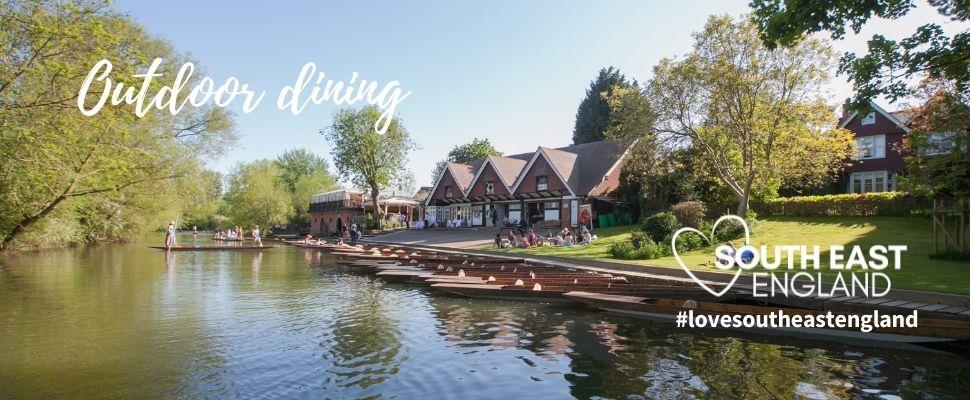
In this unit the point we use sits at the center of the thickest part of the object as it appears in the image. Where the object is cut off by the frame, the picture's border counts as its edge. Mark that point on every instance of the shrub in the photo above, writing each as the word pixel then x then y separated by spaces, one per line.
pixel 640 239
pixel 623 250
pixel 660 226
pixel 689 213
pixel 845 205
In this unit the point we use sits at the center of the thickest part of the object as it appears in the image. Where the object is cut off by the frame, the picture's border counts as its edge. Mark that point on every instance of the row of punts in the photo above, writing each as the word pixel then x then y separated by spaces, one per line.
pixel 505 278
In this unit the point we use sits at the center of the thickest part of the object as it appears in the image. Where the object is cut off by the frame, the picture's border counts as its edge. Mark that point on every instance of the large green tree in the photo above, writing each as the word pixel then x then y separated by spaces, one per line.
pixel 756 114
pixel 889 65
pixel 257 195
pixel 63 171
pixel 365 157
pixel 476 150
pixel 304 174
pixel 939 142
pixel 593 115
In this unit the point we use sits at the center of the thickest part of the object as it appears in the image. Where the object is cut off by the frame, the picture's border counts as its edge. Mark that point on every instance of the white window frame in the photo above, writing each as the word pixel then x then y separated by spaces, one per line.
pixel 448 193
pixel 489 187
pixel 877 143
pixel 866 178
pixel 545 185
pixel 869 119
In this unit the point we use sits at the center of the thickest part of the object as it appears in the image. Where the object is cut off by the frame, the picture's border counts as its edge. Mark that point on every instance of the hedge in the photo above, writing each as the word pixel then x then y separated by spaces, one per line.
pixel 842 205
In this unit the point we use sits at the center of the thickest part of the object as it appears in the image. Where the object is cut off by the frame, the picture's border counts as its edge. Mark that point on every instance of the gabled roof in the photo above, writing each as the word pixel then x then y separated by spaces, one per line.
pixel 580 166
pixel 507 169
pixel 464 173
pixel 899 118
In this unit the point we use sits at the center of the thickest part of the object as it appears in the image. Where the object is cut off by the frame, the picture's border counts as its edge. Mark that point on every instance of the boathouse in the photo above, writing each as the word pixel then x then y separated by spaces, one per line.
pixel 550 187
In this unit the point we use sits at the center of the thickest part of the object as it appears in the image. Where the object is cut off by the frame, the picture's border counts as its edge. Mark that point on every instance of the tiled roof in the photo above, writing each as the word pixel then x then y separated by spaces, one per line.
pixel 464 173
pixel 509 168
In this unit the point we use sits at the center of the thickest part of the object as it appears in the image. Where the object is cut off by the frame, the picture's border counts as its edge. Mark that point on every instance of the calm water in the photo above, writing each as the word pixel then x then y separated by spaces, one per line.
pixel 125 321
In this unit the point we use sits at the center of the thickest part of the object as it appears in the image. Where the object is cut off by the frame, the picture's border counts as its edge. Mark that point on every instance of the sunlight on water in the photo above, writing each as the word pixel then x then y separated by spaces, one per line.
pixel 124 321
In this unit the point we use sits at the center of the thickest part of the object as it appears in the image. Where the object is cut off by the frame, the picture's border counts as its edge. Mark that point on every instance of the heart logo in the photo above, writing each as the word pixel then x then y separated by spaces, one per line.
pixel 673 245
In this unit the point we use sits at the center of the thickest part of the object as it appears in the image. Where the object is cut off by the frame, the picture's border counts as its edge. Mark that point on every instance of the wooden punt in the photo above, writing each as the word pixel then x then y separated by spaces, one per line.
pixel 212 248
pixel 928 330
pixel 555 293
pixel 230 240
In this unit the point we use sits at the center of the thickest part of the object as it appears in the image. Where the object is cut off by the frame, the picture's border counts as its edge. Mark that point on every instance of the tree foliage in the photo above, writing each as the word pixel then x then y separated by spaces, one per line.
pixel 593 114
pixel 304 174
pixel 755 114
pixel 98 177
pixel 369 159
pixel 257 195
pixel 889 64
pixel 476 150
pixel 938 143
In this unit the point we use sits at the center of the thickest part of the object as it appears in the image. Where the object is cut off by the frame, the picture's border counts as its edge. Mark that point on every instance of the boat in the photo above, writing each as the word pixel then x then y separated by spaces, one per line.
pixel 552 292
pixel 658 308
pixel 211 248
pixel 229 240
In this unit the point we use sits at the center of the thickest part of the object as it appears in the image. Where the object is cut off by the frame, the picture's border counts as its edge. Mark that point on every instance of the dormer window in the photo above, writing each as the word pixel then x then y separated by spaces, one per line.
pixel 448 192
pixel 869 119
pixel 489 187
pixel 542 183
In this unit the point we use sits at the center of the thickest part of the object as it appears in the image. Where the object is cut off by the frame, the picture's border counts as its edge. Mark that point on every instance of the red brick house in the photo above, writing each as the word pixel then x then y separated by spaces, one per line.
pixel 879 136
pixel 548 187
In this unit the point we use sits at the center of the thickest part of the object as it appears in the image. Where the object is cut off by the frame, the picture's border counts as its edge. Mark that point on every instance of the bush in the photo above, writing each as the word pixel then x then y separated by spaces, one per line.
pixel 627 251
pixel 640 239
pixel 689 213
pixel 844 205
pixel 660 226
pixel 623 250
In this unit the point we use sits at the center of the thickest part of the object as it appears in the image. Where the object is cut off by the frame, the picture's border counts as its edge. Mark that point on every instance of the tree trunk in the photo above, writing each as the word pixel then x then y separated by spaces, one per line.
pixel 27 222
pixel 378 213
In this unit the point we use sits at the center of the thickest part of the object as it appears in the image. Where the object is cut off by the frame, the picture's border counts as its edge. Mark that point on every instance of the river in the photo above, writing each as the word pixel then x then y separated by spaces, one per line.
pixel 126 321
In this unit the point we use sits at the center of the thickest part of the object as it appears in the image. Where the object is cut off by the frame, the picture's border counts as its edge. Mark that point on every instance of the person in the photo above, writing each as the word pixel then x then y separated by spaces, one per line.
pixel 532 239
pixel 493 215
pixel 170 235
pixel 498 240
pixel 354 234
pixel 558 241
pixel 308 239
pixel 239 233
pixel 567 240
pixel 511 236
pixel 587 238
pixel 257 241
pixel 194 230
pixel 524 243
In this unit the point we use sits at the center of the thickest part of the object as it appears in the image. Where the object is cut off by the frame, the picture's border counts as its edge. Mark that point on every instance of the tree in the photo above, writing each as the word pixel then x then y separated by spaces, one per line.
pixel 756 114
pixel 938 160
pixel 304 174
pixel 889 64
pixel 476 150
pixel 56 163
pixel 367 158
pixel 257 195
pixel 202 195
pixel 593 115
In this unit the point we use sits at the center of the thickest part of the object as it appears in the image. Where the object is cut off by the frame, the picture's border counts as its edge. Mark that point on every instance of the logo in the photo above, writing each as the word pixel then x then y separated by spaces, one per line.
pixel 797 270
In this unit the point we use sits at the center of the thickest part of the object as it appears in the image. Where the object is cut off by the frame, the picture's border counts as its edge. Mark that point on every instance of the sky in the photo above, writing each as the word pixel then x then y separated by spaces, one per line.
pixel 510 71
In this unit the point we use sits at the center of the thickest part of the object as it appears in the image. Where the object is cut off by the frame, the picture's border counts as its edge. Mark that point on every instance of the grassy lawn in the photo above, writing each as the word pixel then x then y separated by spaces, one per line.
pixel 918 271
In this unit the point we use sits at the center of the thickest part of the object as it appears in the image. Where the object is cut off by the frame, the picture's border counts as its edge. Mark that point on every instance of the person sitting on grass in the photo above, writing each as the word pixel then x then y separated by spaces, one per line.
pixel 511 236
pixel 524 243
pixel 558 241
pixel 532 239
pixel 498 240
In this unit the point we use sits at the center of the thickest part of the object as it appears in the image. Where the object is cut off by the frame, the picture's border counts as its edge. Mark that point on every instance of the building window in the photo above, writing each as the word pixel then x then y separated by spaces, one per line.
pixel 490 188
pixel 867 182
pixel 448 192
pixel 550 211
pixel 868 147
pixel 542 183
pixel 869 119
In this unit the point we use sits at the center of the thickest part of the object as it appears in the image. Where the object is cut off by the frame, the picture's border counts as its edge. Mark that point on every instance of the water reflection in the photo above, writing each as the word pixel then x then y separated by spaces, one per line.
pixel 129 322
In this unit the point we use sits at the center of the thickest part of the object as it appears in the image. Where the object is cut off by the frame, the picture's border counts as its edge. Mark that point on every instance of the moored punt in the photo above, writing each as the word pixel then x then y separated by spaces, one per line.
pixel 928 330
pixel 229 240
pixel 537 291
pixel 211 248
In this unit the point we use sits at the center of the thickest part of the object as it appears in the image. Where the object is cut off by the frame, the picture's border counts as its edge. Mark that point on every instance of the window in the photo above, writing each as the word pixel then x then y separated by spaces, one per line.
pixel 939 143
pixel 448 191
pixel 550 211
pixel 867 182
pixel 490 188
pixel 869 119
pixel 868 147
pixel 542 183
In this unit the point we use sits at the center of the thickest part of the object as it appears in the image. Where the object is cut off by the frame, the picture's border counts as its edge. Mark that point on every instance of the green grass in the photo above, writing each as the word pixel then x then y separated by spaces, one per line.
pixel 918 272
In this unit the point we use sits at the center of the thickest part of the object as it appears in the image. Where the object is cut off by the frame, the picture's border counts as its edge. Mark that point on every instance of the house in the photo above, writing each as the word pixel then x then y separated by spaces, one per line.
pixel 331 211
pixel 550 187
pixel 880 157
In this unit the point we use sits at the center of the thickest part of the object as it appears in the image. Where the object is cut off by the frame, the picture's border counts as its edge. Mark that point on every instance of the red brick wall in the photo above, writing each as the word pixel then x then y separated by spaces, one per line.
pixel 488 174
pixel 539 168
pixel 446 180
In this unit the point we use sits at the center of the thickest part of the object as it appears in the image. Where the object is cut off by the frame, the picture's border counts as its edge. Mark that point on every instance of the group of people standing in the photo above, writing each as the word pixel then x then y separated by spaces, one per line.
pixel 229 234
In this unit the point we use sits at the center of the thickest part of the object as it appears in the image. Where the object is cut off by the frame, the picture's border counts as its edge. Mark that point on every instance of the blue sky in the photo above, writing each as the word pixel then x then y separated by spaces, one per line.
pixel 511 71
